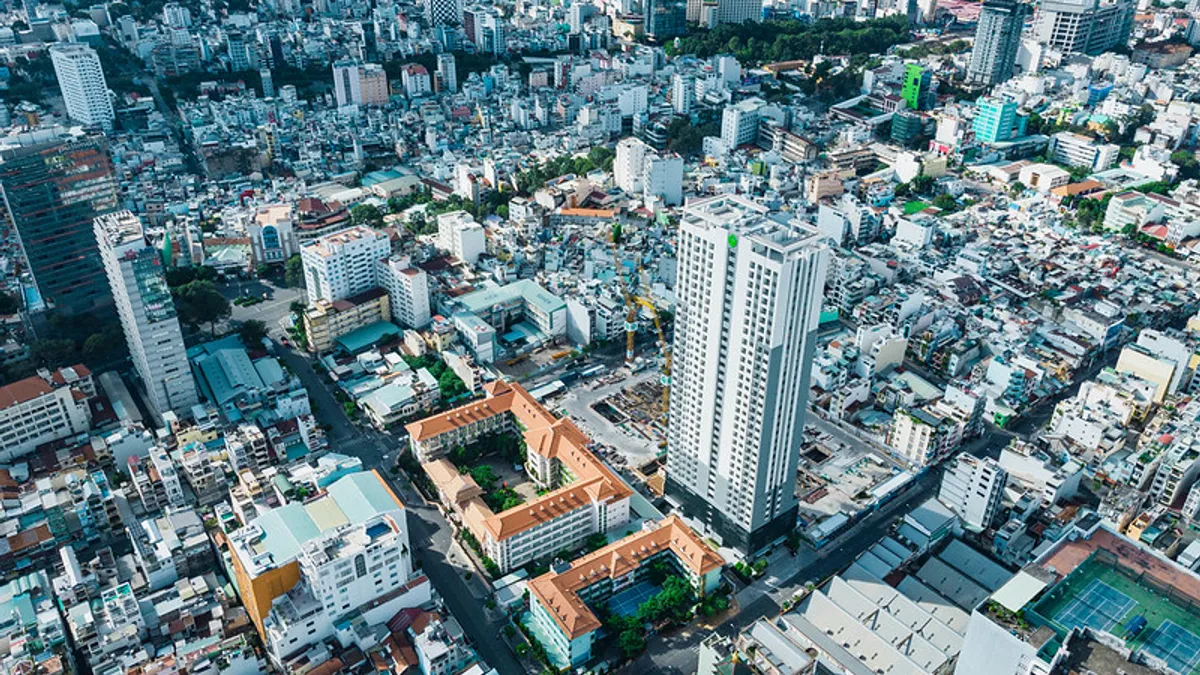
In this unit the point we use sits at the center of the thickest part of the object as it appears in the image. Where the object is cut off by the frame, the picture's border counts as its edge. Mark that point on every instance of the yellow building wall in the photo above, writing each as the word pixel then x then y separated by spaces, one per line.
pixel 1148 368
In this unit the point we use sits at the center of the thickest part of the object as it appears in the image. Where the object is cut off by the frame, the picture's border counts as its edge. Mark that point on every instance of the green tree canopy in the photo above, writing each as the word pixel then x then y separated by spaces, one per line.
pixel 252 333
pixel 293 272
pixel 367 214
pixel 200 302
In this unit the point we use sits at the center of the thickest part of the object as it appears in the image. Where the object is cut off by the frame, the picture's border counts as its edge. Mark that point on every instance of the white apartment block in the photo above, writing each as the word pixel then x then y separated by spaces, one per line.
pixel 343 264
pixel 639 170
pixel 408 291
pixel 1084 26
pixel 359 84
pixel 143 299
pixel 1078 150
pixel 973 488
pixel 43 408
pixel 81 80
pixel 923 437
pixel 739 123
pixel 629 164
pixel 749 293
pixel 461 236
pixel 662 178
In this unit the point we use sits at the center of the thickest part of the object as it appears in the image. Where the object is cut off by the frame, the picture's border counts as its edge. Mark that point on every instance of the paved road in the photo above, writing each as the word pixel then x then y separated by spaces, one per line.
pixel 429 533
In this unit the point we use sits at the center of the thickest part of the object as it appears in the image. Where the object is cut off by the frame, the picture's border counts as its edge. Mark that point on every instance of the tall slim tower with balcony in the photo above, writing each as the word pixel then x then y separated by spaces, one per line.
pixel 997 40
pixel 143 299
pixel 750 292
pixel 81 81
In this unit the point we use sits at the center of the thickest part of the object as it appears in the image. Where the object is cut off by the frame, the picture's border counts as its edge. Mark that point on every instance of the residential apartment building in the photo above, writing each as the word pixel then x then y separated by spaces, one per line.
pixel 561 601
pixel 305 566
pixel 325 322
pixel 356 83
pixel 749 294
pixel 997 40
pixel 343 264
pixel 44 408
pixel 583 495
pixel 995 119
pixel 922 436
pixel 147 313
pixel 1082 151
pixel 739 123
pixel 461 236
pixel 408 291
pixel 1084 26
pixel 973 488
pixel 81 81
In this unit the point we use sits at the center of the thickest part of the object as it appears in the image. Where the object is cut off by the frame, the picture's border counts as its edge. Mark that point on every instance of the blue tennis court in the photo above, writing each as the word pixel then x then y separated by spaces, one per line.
pixel 1172 643
pixel 1099 607
pixel 626 602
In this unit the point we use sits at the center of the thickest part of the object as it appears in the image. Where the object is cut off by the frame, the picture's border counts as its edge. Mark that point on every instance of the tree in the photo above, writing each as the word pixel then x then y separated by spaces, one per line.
pixel 1186 161
pixel 450 385
pixel 367 214
pixel 631 641
pixel 484 476
pixel 53 352
pixel 9 304
pixel 1017 188
pixel 293 272
pixel 903 190
pixel 200 302
pixel 922 184
pixel 252 333
pixel 945 202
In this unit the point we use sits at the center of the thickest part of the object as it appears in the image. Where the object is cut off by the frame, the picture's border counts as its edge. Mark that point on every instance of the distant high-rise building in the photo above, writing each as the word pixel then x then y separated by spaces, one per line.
pixel 739 123
pixel 443 12
pixel 749 291
pixel 176 15
pixel 997 40
pixel 628 164
pixel 239 54
pixel 665 19
pixel 268 83
pixel 995 119
pixel 81 81
pixel 447 73
pixel 54 183
pixel 683 94
pixel 357 83
pixel 737 11
pixel 917 90
pixel 147 312
pixel 1084 26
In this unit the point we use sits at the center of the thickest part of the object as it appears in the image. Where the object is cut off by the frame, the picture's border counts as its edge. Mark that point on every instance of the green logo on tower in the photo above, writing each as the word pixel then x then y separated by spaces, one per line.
pixel 733 241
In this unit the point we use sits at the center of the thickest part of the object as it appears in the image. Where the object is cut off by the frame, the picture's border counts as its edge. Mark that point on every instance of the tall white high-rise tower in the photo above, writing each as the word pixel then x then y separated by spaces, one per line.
pixel 749 293
pixel 81 80
pixel 147 312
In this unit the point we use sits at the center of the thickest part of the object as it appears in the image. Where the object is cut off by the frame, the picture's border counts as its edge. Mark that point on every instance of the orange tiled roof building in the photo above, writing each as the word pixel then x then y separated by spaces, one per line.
pixel 561 600
pixel 585 496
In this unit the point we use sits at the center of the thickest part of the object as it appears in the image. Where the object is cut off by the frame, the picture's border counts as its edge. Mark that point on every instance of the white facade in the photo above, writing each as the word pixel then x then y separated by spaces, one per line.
pixel 663 179
pixel 739 123
pixel 415 79
pixel 38 411
pixel 683 94
pixel 81 81
pixel 447 72
pixel 147 312
pixel 459 234
pixel 1077 150
pixel 629 164
pixel 408 291
pixel 973 488
pixel 343 264
pixel 749 298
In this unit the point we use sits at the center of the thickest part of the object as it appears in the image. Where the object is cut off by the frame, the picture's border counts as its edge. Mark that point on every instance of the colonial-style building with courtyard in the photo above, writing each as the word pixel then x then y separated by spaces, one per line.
pixel 584 496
